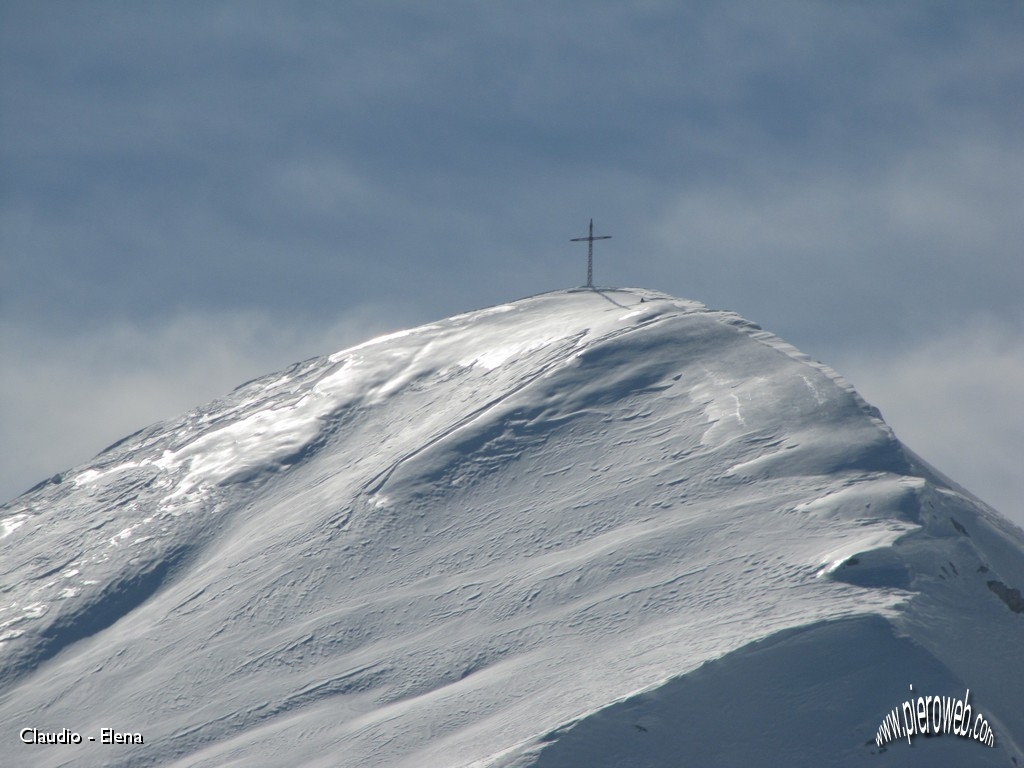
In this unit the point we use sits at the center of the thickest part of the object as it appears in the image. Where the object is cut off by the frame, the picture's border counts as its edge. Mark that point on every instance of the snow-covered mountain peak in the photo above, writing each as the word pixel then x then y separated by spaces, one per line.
pixel 497 539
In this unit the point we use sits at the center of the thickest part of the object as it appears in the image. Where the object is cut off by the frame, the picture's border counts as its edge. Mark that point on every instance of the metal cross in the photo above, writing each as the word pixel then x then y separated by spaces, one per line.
pixel 590 238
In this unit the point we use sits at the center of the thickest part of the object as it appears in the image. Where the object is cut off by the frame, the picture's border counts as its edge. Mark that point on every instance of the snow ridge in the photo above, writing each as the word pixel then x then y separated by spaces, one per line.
pixel 554 532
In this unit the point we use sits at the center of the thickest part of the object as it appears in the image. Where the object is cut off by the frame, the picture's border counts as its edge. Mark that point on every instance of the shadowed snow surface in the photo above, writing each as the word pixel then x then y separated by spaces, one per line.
pixel 588 528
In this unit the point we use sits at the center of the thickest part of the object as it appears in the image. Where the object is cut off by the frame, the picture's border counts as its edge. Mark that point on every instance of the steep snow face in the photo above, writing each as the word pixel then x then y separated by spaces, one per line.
pixel 512 537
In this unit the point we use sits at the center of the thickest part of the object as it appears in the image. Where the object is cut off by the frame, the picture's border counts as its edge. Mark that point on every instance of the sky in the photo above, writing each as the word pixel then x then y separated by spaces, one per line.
pixel 193 194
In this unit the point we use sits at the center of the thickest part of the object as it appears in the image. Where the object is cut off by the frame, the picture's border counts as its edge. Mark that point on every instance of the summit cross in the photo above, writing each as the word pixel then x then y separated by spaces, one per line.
pixel 590 238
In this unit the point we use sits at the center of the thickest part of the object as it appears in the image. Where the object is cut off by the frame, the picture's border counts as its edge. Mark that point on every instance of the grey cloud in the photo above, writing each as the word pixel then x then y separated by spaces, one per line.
pixel 849 175
pixel 956 400
pixel 881 255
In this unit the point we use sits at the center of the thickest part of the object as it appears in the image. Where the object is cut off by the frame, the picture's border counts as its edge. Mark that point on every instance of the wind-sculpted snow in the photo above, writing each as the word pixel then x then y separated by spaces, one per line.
pixel 504 539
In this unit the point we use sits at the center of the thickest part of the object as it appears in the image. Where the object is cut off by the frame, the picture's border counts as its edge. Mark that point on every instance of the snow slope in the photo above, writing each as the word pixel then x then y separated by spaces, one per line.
pixel 586 528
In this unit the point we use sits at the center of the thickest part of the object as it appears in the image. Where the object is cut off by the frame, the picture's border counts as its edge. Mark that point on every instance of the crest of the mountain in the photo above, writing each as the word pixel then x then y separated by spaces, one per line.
pixel 588 528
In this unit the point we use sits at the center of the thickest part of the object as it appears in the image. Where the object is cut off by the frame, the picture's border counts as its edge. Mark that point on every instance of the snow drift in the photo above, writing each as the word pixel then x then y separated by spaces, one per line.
pixel 588 528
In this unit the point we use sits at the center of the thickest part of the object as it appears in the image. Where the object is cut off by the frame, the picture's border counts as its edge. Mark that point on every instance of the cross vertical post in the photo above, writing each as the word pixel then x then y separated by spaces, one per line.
pixel 590 238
